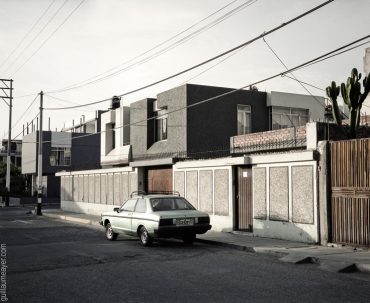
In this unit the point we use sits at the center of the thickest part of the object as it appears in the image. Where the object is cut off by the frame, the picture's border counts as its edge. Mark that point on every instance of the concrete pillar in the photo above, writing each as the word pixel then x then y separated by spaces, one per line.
pixel 324 190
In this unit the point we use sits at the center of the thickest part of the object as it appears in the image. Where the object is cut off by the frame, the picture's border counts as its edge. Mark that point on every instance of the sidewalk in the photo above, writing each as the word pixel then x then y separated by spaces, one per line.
pixel 333 258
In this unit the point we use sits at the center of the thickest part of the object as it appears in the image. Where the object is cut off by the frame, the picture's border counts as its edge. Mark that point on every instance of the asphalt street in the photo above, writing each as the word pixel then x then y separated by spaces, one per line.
pixel 53 261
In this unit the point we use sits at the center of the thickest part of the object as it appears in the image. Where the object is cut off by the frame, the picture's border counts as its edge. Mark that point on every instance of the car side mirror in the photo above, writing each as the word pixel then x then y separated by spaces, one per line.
pixel 116 209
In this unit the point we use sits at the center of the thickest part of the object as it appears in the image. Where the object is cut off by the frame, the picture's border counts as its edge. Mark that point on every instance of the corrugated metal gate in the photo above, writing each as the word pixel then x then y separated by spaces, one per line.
pixel 244 215
pixel 350 198
pixel 159 179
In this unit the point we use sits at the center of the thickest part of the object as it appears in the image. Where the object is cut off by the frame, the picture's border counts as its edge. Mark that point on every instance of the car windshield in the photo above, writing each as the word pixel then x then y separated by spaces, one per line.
pixel 170 203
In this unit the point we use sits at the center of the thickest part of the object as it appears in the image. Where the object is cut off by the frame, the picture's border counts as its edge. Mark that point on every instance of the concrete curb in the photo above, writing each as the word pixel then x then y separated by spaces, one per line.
pixel 228 245
pixel 71 219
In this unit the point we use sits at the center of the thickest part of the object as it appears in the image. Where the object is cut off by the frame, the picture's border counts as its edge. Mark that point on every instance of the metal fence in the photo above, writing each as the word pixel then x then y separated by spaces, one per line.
pixel 350 197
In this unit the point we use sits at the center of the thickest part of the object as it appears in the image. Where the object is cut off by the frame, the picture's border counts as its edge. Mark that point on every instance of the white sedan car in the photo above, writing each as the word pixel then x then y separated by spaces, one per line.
pixel 156 216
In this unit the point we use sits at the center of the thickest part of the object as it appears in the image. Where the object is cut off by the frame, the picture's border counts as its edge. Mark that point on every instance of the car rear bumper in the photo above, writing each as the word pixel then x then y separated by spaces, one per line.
pixel 179 231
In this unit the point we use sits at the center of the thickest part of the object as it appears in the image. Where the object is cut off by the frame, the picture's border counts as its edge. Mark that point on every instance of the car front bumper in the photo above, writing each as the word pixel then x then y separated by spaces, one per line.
pixel 179 231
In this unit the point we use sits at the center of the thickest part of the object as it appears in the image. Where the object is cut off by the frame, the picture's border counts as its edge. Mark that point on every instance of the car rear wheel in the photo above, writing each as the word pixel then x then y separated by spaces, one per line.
pixel 145 239
pixel 109 232
pixel 189 239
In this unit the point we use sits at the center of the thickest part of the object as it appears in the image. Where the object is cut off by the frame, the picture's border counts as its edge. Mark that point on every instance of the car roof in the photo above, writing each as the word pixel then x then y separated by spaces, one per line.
pixel 156 196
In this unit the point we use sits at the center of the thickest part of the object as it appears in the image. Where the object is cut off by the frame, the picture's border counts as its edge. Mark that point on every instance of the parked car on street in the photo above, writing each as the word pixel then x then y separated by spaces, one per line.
pixel 156 216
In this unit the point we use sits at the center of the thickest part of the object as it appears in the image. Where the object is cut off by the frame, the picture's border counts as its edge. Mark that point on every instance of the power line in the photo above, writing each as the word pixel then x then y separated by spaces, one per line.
pixel 36 36
pixel 67 101
pixel 49 37
pixel 22 115
pixel 286 67
pixel 27 34
pixel 102 76
pixel 283 73
pixel 208 60
pixel 23 130
pixel 306 83
pixel 213 66
pixel 364 43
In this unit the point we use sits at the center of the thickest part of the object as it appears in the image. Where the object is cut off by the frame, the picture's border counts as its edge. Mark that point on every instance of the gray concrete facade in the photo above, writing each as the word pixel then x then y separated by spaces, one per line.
pixel 199 128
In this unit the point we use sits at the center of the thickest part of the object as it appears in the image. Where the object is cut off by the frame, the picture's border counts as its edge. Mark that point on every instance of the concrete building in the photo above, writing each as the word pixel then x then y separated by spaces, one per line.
pixel 184 139
pixel 15 152
pixel 61 151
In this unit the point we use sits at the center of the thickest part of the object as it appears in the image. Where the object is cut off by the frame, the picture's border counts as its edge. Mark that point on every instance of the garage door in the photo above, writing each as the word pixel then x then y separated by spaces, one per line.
pixel 159 179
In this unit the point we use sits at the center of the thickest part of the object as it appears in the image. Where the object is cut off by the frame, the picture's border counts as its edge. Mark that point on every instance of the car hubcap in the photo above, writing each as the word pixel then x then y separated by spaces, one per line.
pixel 144 236
pixel 109 232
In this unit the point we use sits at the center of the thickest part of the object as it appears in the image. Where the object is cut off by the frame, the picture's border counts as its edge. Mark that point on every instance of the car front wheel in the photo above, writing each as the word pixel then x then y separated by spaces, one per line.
pixel 145 239
pixel 109 232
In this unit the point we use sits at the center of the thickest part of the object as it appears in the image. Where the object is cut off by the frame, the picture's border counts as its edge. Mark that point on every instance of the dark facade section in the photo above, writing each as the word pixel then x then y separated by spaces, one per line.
pixel 211 124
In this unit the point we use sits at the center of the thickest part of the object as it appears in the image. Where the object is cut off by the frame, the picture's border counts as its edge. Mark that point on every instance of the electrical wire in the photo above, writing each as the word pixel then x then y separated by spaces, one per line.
pixel 233 91
pixel 23 130
pixel 49 37
pixel 70 102
pixel 102 76
pixel 36 36
pixel 286 67
pixel 208 60
pixel 22 115
pixel 27 34
pixel 213 66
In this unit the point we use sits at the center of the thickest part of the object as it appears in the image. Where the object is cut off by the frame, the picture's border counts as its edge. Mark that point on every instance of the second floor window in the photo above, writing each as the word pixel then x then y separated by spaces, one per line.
pixel 284 117
pixel 161 128
pixel 244 119
pixel 60 156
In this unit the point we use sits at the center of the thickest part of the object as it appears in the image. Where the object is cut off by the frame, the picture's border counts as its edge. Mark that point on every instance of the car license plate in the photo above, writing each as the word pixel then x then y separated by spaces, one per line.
pixel 184 221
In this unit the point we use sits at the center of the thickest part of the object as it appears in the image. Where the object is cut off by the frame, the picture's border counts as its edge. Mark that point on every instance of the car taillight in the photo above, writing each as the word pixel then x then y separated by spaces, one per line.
pixel 163 222
pixel 203 220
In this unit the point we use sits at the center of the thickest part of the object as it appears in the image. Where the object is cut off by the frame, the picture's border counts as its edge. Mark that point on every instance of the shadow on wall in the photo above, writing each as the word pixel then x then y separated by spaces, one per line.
pixel 306 233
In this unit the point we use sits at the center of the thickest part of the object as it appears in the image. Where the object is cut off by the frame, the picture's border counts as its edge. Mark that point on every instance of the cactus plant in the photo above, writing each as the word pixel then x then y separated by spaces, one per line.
pixel 352 97
pixel 333 93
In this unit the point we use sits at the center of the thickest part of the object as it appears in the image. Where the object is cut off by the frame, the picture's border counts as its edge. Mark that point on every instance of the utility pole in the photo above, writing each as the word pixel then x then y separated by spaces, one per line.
pixel 39 170
pixel 8 83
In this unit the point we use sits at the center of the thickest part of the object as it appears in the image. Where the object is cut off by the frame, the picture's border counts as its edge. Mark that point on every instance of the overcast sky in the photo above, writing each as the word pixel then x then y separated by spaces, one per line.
pixel 104 34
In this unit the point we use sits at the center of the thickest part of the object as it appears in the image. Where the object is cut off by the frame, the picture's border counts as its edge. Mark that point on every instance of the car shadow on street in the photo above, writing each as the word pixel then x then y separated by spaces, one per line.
pixel 161 243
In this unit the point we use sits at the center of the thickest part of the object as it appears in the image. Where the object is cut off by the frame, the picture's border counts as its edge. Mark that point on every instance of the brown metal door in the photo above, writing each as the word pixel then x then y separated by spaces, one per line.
pixel 244 208
pixel 159 179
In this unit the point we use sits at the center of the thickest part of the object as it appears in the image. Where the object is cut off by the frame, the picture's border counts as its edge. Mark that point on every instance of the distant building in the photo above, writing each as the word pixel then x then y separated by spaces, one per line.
pixel 15 152
pixel 76 147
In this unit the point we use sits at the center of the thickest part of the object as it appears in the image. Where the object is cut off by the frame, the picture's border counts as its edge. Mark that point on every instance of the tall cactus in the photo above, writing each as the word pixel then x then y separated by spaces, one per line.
pixel 333 93
pixel 352 97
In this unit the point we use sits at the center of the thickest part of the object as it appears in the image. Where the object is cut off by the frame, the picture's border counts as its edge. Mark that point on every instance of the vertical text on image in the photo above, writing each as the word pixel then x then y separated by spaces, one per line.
pixel 3 270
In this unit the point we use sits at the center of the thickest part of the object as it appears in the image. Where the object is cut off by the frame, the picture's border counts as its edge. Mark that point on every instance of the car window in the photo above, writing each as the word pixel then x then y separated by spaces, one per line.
pixel 140 206
pixel 170 203
pixel 129 205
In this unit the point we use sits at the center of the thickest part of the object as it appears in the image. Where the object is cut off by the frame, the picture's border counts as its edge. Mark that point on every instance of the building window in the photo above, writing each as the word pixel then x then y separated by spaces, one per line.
pixel 113 135
pixel 161 128
pixel 110 137
pixel 244 119
pixel 60 156
pixel 284 117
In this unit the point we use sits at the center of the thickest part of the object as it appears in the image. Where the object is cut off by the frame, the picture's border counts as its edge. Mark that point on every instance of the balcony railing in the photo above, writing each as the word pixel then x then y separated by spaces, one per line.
pixel 273 145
